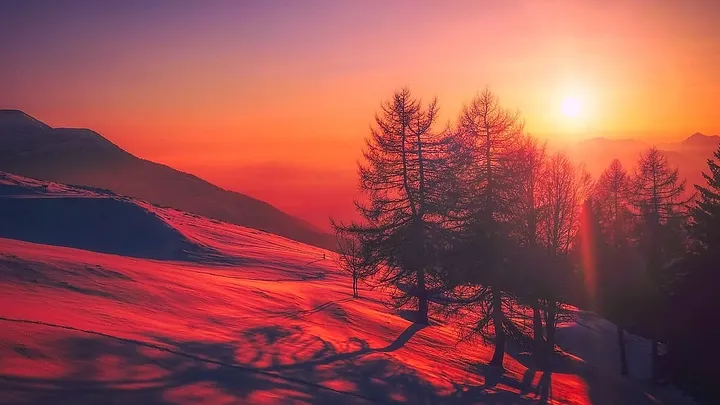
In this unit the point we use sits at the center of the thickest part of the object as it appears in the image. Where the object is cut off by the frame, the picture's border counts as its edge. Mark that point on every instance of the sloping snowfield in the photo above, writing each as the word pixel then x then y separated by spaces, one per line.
pixel 252 318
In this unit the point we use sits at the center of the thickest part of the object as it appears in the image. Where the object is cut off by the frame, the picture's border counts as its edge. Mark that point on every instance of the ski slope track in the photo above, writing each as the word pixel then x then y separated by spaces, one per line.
pixel 199 311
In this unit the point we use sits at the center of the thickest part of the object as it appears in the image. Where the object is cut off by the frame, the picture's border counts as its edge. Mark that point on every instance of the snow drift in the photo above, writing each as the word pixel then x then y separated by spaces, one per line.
pixel 86 219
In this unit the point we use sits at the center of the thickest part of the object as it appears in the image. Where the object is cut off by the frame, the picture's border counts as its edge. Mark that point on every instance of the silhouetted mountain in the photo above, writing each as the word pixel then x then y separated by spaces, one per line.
pixel 699 140
pixel 18 119
pixel 31 148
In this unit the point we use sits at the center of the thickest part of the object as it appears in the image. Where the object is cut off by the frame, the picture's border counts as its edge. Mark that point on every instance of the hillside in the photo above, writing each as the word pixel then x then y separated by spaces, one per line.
pixel 258 319
pixel 31 148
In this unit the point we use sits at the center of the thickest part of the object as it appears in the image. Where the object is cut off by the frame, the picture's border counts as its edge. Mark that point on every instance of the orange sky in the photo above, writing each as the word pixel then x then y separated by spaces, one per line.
pixel 221 84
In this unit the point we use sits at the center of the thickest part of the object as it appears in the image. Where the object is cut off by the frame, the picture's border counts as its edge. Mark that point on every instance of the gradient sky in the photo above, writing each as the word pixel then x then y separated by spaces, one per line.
pixel 202 84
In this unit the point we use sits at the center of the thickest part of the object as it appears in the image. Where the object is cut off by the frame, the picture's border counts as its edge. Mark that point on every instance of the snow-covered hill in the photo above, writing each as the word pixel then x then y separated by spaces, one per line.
pixel 251 318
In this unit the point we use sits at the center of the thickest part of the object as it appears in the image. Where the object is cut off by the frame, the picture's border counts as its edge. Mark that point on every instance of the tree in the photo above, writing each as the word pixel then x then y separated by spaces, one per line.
pixel 614 217
pixel 527 214
pixel 613 198
pixel 705 225
pixel 491 136
pixel 350 258
pixel 692 316
pixel 659 201
pixel 694 305
pixel 401 179
pixel 564 189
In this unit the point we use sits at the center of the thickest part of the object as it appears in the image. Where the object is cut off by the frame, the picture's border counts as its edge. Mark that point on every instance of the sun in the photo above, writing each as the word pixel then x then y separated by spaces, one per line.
pixel 574 107
pixel 571 107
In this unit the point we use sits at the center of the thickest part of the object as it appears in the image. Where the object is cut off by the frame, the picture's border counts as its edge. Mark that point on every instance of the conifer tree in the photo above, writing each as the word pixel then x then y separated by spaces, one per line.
pixel 491 136
pixel 615 222
pixel 402 180
pixel 694 304
pixel 659 200
pixel 705 226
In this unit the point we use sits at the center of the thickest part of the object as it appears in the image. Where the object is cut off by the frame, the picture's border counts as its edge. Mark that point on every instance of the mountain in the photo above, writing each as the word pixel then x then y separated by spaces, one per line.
pixel 31 148
pixel 698 140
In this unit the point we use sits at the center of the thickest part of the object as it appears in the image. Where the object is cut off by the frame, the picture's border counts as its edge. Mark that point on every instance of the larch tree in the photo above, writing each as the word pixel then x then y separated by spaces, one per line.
pixel 492 136
pixel 612 196
pixel 659 201
pixel 528 212
pixel 350 258
pixel 565 187
pixel 401 179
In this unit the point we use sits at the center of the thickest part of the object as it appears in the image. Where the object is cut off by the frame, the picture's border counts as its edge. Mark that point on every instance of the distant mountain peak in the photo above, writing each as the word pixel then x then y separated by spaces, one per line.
pixel 19 119
pixel 699 139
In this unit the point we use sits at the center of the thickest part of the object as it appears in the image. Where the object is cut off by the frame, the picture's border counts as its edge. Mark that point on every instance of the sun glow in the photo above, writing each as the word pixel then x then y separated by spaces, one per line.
pixel 572 107
pixel 575 110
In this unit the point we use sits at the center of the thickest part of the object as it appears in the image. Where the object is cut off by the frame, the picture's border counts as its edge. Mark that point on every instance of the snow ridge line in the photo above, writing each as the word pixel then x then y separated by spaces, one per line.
pixel 197 358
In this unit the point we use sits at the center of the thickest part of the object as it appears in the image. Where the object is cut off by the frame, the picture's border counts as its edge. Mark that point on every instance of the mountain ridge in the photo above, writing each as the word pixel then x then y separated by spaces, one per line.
pixel 700 139
pixel 31 148
pixel 20 118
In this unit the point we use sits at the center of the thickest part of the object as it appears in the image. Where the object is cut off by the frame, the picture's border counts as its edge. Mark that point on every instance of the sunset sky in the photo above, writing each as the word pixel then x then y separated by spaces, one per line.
pixel 202 85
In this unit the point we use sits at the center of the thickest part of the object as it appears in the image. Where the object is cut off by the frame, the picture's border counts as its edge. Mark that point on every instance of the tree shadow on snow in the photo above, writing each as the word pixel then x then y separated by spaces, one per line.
pixel 274 364
pixel 109 371
pixel 602 387
pixel 106 369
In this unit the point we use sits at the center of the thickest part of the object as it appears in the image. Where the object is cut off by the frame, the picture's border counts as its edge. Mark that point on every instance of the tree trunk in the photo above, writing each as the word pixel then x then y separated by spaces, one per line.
pixel 422 315
pixel 623 354
pixel 550 315
pixel 538 338
pixel 497 317
pixel 543 387
pixel 355 288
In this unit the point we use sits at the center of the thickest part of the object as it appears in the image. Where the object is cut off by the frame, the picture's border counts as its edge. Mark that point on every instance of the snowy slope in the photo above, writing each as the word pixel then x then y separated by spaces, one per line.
pixel 31 148
pixel 255 319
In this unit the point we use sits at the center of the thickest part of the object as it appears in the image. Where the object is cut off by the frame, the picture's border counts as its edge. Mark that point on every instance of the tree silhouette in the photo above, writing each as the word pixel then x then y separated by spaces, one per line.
pixel 401 179
pixel 694 307
pixel 658 197
pixel 564 189
pixel 528 212
pixel 491 137
pixel 613 198
pixel 614 215
pixel 705 226
pixel 351 259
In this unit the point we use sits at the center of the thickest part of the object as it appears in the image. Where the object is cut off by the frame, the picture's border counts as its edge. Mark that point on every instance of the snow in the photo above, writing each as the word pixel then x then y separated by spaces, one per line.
pixel 251 318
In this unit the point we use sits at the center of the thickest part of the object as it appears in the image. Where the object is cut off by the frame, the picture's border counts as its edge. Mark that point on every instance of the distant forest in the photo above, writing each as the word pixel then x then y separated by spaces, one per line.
pixel 476 222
